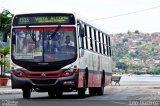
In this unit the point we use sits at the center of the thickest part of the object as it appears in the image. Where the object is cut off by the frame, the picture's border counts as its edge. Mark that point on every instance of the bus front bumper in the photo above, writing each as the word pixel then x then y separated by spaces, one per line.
pixel 65 83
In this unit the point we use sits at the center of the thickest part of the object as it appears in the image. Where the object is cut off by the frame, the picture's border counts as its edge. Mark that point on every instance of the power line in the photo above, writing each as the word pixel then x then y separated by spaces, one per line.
pixel 126 13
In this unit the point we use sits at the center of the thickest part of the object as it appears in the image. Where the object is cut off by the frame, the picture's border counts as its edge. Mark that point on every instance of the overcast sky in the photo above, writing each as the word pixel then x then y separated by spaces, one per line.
pixel 144 21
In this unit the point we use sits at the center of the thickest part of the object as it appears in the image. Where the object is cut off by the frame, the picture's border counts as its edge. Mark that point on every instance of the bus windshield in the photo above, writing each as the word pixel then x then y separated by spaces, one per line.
pixel 43 44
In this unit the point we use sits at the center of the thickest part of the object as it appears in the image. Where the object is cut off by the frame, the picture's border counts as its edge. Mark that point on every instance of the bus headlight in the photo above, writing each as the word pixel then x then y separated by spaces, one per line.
pixel 18 73
pixel 68 72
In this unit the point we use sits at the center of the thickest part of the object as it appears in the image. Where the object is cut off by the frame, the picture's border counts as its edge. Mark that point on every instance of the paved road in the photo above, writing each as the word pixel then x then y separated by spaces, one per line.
pixel 70 99
pixel 130 93
pixel 114 96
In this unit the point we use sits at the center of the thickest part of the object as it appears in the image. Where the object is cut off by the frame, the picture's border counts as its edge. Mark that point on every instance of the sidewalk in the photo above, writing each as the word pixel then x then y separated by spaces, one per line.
pixel 8 90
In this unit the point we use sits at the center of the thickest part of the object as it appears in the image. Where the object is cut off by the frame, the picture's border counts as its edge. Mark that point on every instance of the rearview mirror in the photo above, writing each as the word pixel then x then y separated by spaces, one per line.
pixel 4 37
pixel 82 32
pixel 81 29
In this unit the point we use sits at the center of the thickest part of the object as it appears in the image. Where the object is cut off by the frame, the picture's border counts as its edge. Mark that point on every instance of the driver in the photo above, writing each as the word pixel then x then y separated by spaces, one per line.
pixel 68 41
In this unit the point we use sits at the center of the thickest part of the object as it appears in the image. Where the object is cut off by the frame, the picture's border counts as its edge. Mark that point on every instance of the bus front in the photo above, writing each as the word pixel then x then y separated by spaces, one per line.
pixel 45 46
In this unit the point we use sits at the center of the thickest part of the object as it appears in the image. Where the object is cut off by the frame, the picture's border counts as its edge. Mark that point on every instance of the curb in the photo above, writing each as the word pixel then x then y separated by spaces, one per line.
pixel 5 91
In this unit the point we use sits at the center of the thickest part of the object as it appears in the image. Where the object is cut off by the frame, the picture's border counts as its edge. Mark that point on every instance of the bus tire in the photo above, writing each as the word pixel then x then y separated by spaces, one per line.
pixel 100 90
pixel 59 94
pixel 51 94
pixel 26 93
pixel 81 92
pixel 92 91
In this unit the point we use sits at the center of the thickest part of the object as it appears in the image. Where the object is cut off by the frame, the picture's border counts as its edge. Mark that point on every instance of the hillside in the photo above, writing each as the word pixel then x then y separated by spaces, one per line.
pixel 137 49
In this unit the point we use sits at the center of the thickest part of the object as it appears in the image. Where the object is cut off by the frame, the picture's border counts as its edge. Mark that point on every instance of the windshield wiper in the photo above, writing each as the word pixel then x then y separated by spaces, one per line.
pixel 54 33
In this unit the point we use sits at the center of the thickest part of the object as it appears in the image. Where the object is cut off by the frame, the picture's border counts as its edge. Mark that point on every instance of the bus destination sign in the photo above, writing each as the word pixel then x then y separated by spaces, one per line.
pixel 43 20
pixel 33 20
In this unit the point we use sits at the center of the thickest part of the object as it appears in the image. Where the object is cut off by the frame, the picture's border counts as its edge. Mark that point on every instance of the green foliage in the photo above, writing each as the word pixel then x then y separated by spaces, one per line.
pixel 119 51
pixel 139 73
pixel 121 65
pixel 156 70
pixel 135 66
pixel 148 47
pixel 5 22
pixel 1 62
pixel 4 52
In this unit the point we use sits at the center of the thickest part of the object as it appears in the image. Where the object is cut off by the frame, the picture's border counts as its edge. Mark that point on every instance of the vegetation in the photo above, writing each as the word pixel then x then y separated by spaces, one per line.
pixel 136 51
pixel 121 65
pixel 135 66
pixel 4 52
pixel 5 22
pixel 5 26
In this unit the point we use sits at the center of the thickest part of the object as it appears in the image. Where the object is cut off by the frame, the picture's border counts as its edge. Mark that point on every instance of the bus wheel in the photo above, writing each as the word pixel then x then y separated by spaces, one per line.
pixel 100 90
pixel 26 93
pixel 59 94
pixel 92 91
pixel 51 93
pixel 81 92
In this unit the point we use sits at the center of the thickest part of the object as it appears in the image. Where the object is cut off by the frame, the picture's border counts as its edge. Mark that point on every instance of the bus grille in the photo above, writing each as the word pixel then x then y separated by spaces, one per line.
pixel 47 81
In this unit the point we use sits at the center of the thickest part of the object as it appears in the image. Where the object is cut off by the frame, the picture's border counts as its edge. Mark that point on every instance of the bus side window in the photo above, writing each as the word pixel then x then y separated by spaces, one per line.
pixel 82 39
pixel 103 43
pixel 91 43
pixel 110 53
pixel 99 40
pixel 85 37
pixel 95 40
pixel 107 45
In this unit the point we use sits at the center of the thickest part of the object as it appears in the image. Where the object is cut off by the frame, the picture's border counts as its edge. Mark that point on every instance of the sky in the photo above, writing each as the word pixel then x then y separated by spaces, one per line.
pixel 147 21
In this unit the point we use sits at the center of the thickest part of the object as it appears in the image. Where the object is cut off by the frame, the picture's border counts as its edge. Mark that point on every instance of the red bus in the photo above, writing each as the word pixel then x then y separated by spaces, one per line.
pixel 59 52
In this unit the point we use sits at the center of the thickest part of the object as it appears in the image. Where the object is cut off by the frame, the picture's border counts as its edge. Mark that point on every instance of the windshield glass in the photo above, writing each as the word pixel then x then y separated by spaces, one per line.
pixel 43 44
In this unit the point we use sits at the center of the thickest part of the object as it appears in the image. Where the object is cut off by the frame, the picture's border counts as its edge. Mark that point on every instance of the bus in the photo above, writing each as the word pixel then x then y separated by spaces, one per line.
pixel 59 52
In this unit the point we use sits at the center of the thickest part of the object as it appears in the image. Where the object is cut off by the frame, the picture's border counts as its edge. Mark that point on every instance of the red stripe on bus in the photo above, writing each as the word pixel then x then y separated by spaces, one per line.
pixel 46 29
pixel 61 29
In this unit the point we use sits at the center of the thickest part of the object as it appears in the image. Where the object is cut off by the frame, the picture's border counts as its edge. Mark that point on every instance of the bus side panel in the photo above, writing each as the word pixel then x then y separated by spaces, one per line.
pixel 108 71
pixel 80 78
pixel 107 79
pixel 91 79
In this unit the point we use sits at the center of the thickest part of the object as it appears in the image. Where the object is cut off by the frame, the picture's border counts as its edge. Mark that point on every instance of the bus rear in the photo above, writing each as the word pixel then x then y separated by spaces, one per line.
pixel 45 46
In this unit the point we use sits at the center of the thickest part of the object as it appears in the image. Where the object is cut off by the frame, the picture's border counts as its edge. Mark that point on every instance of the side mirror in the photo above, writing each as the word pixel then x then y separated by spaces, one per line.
pixel 81 30
pixel 4 37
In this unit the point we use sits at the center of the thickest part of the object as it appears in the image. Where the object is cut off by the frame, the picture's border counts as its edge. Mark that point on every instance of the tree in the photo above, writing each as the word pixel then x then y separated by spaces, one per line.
pixel 4 52
pixel 5 22
pixel 121 65
pixel 1 63
pixel 137 31
pixel 5 27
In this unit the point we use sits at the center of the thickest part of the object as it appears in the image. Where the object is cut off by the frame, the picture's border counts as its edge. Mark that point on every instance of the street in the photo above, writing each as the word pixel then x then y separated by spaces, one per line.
pixel 130 93
pixel 115 96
